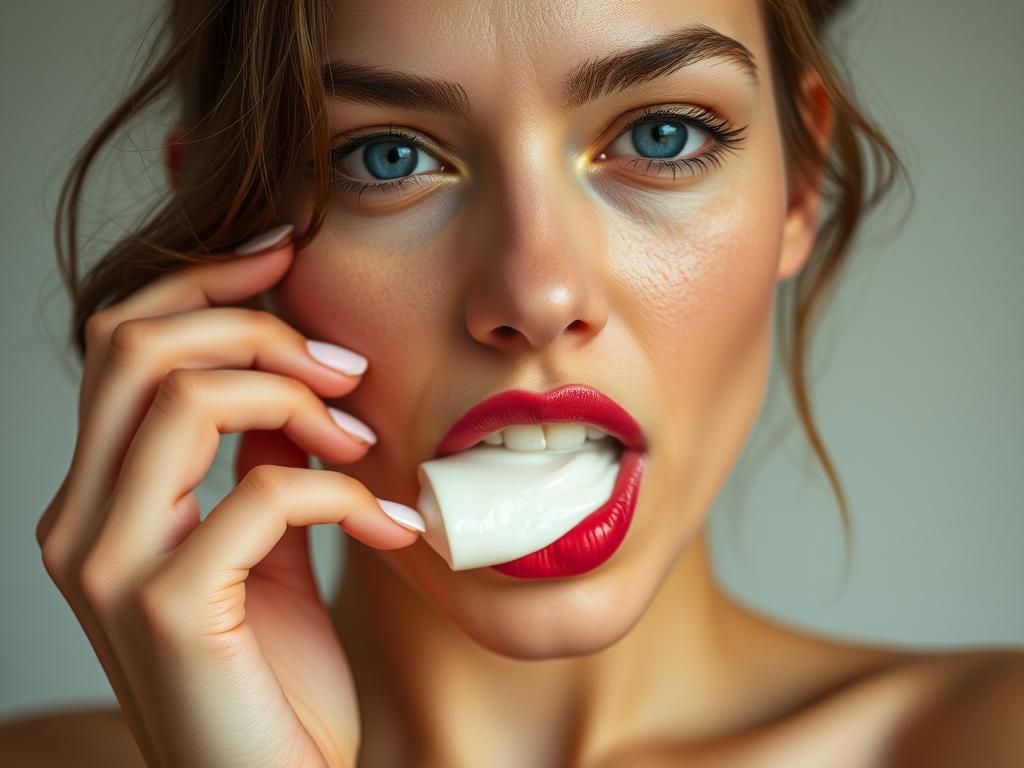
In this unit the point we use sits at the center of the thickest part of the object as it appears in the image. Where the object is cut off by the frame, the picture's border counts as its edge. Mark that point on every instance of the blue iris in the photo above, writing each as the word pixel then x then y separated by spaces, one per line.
pixel 660 139
pixel 390 159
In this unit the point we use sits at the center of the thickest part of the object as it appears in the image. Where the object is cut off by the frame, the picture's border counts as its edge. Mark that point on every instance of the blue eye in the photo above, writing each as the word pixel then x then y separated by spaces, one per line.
pixel 387 161
pixel 660 139
pixel 659 136
pixel 383 157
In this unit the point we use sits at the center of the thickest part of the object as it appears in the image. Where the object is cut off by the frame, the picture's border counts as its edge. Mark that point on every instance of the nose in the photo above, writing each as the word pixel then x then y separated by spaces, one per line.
pixel 540 276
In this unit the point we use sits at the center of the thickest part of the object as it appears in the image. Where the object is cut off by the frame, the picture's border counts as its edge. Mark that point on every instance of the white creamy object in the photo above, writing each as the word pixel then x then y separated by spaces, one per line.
pixel 489 504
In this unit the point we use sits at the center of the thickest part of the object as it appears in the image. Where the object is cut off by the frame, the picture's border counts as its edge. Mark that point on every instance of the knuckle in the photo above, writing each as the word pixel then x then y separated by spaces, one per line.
pixel 42 528
pixel 181 387
pixel 96 581
pixel 299 393
pixel 54 509
pixel 263 325
pixel 260 318
pixel 352 487
pixel 98 326
pixel 55 558
pixel 269 482
pixel 129 339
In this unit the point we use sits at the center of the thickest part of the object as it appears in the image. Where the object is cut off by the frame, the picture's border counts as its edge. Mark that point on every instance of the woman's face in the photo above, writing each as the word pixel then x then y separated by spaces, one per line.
pixel 535 209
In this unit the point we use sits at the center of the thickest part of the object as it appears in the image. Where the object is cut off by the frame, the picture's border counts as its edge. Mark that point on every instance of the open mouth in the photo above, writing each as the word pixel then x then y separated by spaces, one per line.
pixel 595 538
pixel 537 486
pixel 560 436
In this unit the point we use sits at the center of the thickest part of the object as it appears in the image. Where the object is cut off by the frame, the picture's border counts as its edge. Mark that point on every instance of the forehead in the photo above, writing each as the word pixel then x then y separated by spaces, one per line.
pixel 503 50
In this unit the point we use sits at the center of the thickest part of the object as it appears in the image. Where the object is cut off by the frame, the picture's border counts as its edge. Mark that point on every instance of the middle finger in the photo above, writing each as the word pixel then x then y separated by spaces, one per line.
pixel 141 353
pixel 175 445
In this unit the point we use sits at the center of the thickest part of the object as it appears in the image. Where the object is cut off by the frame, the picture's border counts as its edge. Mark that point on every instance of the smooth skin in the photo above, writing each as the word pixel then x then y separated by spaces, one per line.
pixel 657 291
pixel 213 635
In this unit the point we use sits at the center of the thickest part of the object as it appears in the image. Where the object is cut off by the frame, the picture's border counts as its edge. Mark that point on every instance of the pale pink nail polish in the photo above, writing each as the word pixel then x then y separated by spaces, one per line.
pixel 268 239
pixel 338 358
pixel 407 517
pixel 352 426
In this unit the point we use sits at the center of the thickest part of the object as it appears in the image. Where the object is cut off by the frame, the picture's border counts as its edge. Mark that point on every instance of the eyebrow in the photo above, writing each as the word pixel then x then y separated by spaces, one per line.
pixel 585 83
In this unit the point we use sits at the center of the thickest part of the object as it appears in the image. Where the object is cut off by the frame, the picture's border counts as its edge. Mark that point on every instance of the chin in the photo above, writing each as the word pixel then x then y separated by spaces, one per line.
pixel 536 619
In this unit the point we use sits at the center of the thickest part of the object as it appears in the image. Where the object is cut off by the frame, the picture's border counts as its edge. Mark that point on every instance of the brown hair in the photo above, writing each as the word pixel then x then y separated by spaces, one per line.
pixel 795 30
pixel 248 82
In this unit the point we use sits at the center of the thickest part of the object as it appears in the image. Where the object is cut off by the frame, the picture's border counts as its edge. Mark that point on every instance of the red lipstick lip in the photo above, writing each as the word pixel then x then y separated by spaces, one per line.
pixel 571 402
pixel 594 539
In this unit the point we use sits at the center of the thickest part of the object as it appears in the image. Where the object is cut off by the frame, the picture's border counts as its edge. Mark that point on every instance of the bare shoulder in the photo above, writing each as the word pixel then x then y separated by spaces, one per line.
pixel 84 738
pixel 978 720
pixel 908 707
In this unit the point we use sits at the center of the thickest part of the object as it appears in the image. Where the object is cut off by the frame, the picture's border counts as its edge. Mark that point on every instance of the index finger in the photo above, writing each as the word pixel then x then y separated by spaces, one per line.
pixel 262 262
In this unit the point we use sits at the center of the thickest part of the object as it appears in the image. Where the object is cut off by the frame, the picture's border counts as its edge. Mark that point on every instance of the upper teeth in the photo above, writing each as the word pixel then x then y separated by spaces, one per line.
pixel 539 437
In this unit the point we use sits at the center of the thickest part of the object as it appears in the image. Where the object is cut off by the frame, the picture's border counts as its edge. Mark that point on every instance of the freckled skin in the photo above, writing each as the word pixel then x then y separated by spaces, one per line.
pixel 671 288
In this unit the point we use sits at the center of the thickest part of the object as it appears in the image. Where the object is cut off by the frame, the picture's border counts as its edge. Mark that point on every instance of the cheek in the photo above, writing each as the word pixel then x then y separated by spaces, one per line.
pixel 698 281
pixel 377 288
pixel 371 283
pixel 699 285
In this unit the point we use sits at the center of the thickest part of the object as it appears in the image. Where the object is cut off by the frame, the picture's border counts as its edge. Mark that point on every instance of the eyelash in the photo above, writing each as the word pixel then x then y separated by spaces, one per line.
pixel 725 137
pixel 386 186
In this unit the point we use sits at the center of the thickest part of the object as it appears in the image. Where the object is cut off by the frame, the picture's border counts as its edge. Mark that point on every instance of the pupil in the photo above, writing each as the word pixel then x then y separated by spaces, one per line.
pixel 390 159
pixel 659 139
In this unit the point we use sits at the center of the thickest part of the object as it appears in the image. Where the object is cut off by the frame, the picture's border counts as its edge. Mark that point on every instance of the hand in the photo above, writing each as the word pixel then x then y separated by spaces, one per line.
pixel 212 633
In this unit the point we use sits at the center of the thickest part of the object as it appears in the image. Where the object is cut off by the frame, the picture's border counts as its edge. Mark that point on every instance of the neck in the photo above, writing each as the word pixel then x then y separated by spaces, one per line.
pixel 419 675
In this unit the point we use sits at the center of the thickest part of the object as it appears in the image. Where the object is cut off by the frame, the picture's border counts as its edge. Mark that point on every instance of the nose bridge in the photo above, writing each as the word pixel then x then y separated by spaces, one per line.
pixel 534 202
pixel 539 274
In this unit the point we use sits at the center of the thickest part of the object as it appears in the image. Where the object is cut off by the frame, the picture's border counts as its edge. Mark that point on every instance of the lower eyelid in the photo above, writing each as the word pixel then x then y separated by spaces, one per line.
pixel 667 174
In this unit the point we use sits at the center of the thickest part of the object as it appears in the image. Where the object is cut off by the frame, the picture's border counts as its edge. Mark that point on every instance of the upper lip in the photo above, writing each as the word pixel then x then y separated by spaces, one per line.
pixel 571 402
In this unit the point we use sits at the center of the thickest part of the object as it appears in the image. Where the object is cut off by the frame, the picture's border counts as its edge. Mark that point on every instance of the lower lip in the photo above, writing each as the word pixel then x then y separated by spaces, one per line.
pixel 596 537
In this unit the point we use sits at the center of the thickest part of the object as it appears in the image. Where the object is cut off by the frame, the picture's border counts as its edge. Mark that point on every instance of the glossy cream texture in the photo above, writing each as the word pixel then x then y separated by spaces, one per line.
pixel 530 263
pixel 489 504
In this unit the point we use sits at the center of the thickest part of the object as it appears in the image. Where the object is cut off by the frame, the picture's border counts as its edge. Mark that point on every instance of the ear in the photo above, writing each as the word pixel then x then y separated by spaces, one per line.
pixel 173 152
pixel 801 226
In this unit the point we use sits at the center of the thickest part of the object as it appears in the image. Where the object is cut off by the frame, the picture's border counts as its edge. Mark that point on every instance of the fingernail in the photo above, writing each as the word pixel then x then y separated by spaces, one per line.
pixel 268 239
pixel 353 426
pixel 338 358
pixel 407 517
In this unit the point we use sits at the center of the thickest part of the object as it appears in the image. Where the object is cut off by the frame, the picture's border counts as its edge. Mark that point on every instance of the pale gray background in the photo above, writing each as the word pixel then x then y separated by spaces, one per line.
pixel 918 368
